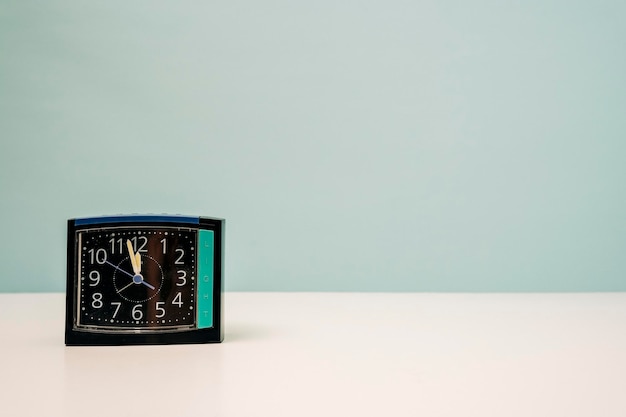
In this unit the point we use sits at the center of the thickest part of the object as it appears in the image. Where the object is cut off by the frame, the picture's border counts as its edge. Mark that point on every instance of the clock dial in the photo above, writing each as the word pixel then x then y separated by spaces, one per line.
pixel 136 279
pixel 143 280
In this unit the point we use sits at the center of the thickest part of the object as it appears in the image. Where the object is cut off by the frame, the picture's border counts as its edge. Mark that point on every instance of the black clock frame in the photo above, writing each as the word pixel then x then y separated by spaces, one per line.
pixel 76 337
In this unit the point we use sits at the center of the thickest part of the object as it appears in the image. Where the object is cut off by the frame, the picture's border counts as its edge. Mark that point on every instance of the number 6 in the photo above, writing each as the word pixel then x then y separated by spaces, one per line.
pixel 137 313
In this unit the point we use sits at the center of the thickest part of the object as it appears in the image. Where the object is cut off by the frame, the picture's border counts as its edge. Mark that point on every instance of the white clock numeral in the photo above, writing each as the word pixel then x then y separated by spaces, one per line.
pixel 94 277
pixel 160 310
pixel 119 242
pixel 179 260
pixel 96 300
pixel 137 313
pixel 182 277
pixel 99 256
pixel 164 243
pixel 117 305
pixel 178 300
pixel 144 242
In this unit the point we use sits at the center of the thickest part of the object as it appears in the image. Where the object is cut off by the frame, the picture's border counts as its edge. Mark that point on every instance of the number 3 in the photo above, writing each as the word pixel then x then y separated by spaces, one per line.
pixel 182 278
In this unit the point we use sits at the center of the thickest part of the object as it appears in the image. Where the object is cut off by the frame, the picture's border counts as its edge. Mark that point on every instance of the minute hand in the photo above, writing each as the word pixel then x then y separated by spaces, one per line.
pixel 133 258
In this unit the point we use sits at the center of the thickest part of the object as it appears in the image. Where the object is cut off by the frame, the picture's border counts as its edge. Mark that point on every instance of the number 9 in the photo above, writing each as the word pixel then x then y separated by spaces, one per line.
pixel 94 277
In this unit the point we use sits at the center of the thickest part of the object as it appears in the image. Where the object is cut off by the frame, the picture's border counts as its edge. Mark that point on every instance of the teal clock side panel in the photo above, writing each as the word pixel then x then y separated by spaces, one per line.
pixel 204 309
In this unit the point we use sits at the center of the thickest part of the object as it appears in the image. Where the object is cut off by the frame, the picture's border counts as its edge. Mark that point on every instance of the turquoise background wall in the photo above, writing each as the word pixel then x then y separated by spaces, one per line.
pixel 351 145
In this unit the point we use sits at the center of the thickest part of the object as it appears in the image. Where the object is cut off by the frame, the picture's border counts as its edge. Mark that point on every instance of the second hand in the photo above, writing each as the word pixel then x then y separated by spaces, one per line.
pixel 119 269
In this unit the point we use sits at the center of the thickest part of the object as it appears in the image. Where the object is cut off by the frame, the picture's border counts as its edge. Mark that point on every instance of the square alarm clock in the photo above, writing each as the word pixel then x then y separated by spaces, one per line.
pixel 144 279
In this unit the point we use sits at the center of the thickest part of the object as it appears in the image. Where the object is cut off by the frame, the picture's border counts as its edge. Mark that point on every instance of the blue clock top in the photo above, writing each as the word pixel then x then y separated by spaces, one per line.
pixel 133 218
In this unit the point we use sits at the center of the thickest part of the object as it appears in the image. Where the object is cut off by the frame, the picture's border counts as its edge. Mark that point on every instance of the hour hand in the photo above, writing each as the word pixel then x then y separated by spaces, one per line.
pixel 133 257
pixel 138 262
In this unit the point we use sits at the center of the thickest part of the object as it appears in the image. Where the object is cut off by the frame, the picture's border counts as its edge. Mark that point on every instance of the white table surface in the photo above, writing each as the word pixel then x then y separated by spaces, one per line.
pixel 321 354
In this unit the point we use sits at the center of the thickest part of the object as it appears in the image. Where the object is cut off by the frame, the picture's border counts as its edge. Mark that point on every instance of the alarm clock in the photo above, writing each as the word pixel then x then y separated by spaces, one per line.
pixel 144 279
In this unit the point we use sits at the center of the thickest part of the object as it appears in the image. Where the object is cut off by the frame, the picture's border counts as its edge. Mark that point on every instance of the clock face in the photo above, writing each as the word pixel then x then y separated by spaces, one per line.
pixel 144 279
pixel 137 279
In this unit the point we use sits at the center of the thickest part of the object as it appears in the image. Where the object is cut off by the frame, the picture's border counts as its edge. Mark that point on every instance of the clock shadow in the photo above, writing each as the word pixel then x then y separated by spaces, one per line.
pixel 243 332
